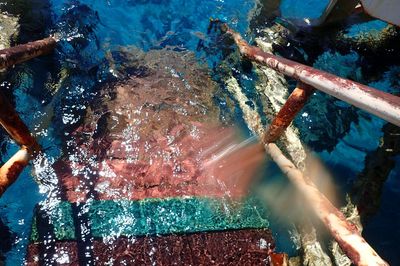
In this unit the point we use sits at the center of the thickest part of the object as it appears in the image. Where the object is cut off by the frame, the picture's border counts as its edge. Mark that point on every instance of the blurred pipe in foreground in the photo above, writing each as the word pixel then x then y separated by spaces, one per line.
pixel 345 233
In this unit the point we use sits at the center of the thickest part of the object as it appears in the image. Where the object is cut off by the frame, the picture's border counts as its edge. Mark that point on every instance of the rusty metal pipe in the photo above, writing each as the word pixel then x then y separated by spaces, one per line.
pixel 21 53
pixel 288 112
pixel 381 104
pixel 10 171
pixel 345 233
pixel 13 124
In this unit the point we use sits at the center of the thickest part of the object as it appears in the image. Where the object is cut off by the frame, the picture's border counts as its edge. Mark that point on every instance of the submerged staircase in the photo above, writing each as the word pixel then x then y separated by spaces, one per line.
pixel 182 223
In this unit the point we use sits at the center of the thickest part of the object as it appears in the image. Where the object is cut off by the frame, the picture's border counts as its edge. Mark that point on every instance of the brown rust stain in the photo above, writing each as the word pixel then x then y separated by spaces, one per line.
pixel 278 259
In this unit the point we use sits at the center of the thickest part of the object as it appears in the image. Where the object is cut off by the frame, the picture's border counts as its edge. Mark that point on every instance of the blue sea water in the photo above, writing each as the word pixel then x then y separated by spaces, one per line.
pixel 90 28
pixel 154 24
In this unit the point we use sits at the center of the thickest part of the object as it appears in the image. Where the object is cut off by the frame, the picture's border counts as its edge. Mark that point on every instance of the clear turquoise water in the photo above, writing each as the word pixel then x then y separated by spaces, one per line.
pixel 92 27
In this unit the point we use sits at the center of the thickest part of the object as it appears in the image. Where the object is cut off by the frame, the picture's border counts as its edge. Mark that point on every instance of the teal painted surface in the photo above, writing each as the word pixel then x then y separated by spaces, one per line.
pixel 158 217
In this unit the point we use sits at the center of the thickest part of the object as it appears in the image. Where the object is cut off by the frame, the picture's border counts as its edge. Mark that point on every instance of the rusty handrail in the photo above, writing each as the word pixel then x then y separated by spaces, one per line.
pixel 24 52
pixel 18 131
pixel 379 103
pixel 343 231
pixel 10 171
pixel 288 112
pixel 13 124
pixel 10 119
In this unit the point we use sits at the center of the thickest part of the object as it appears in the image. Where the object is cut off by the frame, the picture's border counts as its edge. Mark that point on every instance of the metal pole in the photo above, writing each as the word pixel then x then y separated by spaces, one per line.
pixel 21 53
pixel 10 171
pixel 345 233
pixel 13 124
pixel 381 104
pixel 9 118
pixel 288 112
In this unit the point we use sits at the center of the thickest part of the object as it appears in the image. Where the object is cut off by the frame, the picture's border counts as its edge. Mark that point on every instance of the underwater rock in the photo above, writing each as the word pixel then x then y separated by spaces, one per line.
pixel 371 35
pixel 368 187
pixel 9 29
pixel 34 17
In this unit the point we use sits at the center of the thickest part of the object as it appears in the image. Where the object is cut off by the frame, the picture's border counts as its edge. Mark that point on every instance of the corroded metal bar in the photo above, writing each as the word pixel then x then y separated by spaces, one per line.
pixel 10 171
pixel 344 232
pixel 288 112
pixel 381 104
pixel 24 52
pixel 13 124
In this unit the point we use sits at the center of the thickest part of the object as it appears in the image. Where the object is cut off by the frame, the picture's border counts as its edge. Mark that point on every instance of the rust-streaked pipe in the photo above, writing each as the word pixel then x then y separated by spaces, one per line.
pixel 345 233
pixel 13 124
pixel 24 52
pixel 381 104
pixel 288 112
pixel 10 171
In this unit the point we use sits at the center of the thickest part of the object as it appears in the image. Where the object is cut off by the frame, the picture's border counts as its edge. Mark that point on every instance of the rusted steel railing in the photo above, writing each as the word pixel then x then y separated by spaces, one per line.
pixel 12 123
pixel 288 112
pixel 21 53
pixel 10 171
pixel 10 119
pixel 382 104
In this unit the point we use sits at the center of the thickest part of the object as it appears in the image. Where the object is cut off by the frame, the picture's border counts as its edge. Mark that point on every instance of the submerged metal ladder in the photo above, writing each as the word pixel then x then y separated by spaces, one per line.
pixel 382 104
